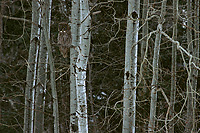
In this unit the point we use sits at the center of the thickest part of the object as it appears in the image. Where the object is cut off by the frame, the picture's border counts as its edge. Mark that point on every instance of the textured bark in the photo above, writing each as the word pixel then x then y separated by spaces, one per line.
pixel 73 58
pixel 190 120
pixel 144 28
pixel 90 92
pixel 1 27
pixel 173 67
pixel 144 40
pixel 41 79
pixel 154 83
pixel 196 54
pixel 81 66
pixel 30 81
pixel 129 100
pixel 46 26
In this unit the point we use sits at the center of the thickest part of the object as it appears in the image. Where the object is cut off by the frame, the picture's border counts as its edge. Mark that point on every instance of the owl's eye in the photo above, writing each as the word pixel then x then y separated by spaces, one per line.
pixel 61 31
pixel 64 31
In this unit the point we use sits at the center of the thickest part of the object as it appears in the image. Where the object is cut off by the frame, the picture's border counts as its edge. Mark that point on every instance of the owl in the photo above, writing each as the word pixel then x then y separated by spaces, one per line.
pixel 64 41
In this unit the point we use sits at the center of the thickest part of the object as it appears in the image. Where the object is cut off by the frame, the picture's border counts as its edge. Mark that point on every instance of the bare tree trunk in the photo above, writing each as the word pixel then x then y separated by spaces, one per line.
pixel 129 100
pixel 81 66
pixel 1 27
pixel 144 40
pixel 2 4
pixel 196 54
pixel 41 79
pixel 189 93
pixel 33 89
pixel 46 26
pixel 154 83
pixel 145 27
pixel 90 87
pixel 191 81
pixel 34 41
pixel 173 68
pixel 73 58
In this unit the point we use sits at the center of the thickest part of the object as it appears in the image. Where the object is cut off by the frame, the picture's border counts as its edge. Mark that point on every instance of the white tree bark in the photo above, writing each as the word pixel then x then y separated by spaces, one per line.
pixel 154 83
pixel 33 90
pixel 46 27
pixel 129 100
pixel 31 68
pixel 81 66
pixel 73 58
pixel 41 78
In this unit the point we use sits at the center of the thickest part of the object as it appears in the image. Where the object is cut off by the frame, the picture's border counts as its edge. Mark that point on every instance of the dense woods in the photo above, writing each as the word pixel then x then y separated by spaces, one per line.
pixel 99 66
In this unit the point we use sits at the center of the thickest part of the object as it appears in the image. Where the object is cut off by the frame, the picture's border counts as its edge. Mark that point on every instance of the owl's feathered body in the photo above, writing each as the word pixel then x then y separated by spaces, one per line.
pixel 64 42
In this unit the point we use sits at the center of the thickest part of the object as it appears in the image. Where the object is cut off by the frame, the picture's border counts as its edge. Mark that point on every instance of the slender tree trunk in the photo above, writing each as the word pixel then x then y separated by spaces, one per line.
pixel 31 65
pixel 189 93
pixel 46 26
pixel 41 79
pixel 196 54
pixel 173 68
pixel 145 27
pixel 73 58
pixel 154 83
pixel 33 90
pixel 144 40
pixel 1 27
pixel 129 103
pixel 90 87
pixel 1 38
pixel 191 79
pixel 81 66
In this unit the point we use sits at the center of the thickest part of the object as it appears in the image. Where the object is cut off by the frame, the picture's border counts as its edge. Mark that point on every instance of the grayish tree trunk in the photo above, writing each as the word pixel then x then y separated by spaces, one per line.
pixel 81 66
pixel 196 54
pixel 145 27
pixel 154 83
pixel 41 78
pixel 191 81
pixel 1 27
pixel 144 40
pixel 34 40
pixel 173 67
pixel 46 26
pixel 33 90
pixel 73 58
pixel 90 93
pixel 129 100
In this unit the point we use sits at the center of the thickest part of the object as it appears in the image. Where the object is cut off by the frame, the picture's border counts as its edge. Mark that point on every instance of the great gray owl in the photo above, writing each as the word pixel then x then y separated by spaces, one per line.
pixel 64 41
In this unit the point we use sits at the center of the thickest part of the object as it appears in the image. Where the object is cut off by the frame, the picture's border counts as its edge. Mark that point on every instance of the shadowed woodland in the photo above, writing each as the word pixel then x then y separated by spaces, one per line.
pixel 99 66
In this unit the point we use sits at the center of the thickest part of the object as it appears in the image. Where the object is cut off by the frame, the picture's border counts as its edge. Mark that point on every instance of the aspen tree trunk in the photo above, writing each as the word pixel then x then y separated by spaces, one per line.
pixel 145 27
pixel 33 89
pixel 190 120
pixel 90 87
pixel 173 67
pixel 154 83
pixel 129 100
pixel 46 26
pixel 144 40
pixel 73 58
pixel 41 78
pixel 81 66
pixel 31 65
pixel 196 61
